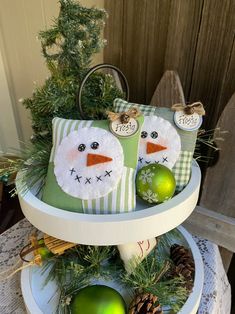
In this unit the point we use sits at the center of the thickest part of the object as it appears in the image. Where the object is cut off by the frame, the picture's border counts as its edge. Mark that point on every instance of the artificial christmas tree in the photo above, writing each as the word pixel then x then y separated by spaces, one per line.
pixel 68 47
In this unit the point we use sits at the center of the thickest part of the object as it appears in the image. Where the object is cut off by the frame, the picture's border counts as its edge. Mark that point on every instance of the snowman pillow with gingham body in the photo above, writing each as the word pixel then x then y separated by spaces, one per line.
pixel 90 169
pixel 163 142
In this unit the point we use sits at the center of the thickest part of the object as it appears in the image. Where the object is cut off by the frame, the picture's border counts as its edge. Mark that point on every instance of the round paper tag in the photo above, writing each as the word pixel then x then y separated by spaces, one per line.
pixel 124 129
pixel 187 122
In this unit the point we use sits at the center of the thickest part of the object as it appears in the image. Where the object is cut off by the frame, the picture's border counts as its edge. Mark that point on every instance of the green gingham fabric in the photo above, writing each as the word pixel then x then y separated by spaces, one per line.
pixel 182 168
pixel 121 105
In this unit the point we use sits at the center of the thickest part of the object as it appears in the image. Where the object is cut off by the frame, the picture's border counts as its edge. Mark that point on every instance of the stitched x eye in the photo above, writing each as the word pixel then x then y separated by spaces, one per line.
pixel 144 134
pixel 81 147
pixel 154 134
pixel 95 145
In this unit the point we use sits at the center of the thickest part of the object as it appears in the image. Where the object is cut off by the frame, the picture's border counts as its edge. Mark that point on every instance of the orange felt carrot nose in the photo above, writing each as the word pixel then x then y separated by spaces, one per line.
pixel 153 148
pixel 94 159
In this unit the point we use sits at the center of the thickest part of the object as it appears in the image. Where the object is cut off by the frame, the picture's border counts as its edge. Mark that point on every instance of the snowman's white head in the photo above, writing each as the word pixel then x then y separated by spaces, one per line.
pixel 89 163
pixel 159 143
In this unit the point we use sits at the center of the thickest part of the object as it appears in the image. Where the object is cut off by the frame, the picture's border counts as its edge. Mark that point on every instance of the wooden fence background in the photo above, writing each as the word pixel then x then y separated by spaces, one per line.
pixel 193 37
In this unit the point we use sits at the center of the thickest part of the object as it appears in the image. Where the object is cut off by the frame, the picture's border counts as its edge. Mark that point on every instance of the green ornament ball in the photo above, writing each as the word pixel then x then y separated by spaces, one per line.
pixel 98 299
pixel 155 183
pixel 43 251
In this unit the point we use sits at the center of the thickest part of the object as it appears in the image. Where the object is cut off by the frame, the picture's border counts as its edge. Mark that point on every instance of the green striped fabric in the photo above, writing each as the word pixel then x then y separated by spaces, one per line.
pixel 62 128
pixel 121 199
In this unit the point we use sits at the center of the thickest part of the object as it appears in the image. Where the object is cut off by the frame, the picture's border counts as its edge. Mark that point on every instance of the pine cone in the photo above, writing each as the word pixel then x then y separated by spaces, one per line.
pixel 184 263
pixel 145 303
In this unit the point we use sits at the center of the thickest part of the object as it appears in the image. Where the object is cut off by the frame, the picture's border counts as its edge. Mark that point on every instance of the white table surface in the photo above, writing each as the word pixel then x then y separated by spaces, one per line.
pixel 216 295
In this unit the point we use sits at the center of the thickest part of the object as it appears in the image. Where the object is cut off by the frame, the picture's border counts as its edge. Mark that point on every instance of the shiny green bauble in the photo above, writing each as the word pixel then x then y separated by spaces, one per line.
pixel 155 183
pixel 43 251
pixel 98 299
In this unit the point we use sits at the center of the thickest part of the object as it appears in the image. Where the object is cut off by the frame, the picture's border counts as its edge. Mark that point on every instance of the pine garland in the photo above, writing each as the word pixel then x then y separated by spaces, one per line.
pixel 79 266
pixel 150 276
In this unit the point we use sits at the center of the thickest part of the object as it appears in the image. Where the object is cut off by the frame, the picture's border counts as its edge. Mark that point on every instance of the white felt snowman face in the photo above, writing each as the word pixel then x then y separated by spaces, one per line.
pixel 159 143
pixel 89 163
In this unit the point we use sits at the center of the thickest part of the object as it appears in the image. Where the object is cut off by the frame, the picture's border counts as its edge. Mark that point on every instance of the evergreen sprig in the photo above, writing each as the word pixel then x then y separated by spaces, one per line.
pixel 171 293
pixel 165 241
pixel 145 274
pixel 74 38
pixel 151 275
pixel 79 266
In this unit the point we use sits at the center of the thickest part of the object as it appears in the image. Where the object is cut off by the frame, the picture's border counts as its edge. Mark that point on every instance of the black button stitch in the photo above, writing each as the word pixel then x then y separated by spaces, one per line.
pixel 81 147
pixel 154 134
pixel 94 145
pixel 144 134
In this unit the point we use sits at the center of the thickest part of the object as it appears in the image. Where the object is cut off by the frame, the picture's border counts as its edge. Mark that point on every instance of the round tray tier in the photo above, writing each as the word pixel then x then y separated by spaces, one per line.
pixel 113 229
pixel 43 299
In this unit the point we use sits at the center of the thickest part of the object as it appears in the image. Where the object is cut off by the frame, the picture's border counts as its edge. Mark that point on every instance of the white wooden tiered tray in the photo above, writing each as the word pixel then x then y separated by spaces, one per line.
pixel 88 229
pixel 111 229
pixel 40 299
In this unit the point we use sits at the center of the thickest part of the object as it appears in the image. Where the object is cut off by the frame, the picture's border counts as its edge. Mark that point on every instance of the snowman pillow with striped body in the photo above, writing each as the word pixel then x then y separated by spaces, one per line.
pixel 90 169
pixel 163 142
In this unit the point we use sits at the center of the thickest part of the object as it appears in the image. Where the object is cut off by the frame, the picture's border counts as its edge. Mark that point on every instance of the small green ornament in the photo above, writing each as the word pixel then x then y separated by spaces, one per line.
pixel 97 299
pixel 43 251
pixel 155 183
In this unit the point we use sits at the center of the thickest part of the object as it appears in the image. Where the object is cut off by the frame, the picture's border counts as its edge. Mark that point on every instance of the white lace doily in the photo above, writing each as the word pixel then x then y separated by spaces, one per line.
pixel 216 295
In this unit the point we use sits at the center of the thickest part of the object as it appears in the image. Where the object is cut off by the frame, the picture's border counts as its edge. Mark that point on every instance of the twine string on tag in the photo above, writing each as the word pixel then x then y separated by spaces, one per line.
pixel 196 107
pixel 33 246
pixel 124 117
pixel 8 273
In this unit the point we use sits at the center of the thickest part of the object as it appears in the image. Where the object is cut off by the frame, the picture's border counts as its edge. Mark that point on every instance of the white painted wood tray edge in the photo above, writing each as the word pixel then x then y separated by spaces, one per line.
pixel 117 228
pixel 190 307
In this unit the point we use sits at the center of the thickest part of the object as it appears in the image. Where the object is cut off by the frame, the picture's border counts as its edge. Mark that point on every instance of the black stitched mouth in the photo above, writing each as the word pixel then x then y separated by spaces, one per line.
pixel 72 171
pixel 78 178
pixel 108 173
pixel 89 180
pixel 98 178
pixel 164 160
